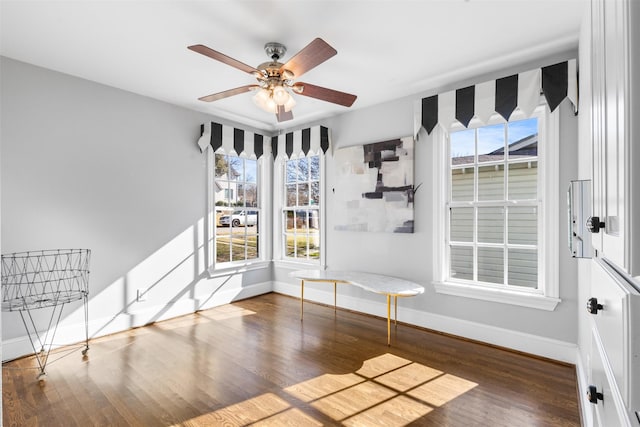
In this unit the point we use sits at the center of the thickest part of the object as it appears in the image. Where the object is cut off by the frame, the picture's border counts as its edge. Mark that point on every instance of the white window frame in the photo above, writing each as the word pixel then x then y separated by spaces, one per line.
pixel 279 206
pixel 263 255
pixel 546 297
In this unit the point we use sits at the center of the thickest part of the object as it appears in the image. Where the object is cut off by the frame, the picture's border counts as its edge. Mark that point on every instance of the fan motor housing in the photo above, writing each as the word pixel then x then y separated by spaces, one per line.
pixel 271 68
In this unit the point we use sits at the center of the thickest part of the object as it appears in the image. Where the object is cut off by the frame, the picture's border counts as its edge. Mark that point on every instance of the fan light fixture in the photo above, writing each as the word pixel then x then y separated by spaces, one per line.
pixel 271 97
pixel 276 85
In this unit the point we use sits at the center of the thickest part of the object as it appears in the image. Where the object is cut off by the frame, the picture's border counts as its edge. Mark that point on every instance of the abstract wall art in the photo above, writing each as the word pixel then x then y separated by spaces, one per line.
pixel 374 187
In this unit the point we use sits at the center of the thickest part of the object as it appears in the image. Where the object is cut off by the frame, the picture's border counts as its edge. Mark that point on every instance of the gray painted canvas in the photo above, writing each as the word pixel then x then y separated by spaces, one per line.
pixel 375 190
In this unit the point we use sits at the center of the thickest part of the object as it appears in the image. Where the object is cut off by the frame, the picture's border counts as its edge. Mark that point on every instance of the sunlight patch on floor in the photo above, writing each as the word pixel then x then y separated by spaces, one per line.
pixel 387 390
pixel 408 377
pixel 442 390
pixel 290 417
pixel 353 400
pixel 322 386
pixel 382 364
pixel 399 411
pixel 250 411
pixel 181 322
pixel 227 312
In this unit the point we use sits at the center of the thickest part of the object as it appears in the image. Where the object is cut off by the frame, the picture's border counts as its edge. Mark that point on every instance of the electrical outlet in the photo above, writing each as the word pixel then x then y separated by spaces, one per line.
pixel 141 295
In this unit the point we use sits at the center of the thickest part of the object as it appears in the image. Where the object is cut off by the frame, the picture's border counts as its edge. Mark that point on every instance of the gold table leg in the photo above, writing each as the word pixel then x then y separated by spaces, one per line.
pixel 395 300
pixel 388 320
pixel 335 298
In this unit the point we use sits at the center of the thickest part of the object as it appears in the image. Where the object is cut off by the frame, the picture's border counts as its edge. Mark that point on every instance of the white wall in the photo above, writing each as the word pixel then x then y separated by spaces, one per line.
pixel 88 166
pixel 552 334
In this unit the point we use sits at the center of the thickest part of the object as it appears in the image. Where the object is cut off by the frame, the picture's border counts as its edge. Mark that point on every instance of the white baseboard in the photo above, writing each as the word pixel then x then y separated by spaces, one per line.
pixel 532 344
pixel 75 333
pixel 520 341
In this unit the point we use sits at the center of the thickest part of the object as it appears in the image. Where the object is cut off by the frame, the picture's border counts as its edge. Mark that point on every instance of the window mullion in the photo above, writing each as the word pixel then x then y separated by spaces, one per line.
pixel 475 208
pixel 506 244
pixel 505 197
pixel 294 228
pixel 307 234
pixel 246 229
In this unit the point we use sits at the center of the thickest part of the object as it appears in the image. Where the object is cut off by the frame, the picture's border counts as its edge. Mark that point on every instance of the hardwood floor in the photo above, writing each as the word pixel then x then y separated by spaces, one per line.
pixel 254 363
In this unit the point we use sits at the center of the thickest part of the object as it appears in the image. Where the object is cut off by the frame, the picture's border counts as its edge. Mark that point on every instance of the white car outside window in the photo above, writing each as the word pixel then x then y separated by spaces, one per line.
pixel 240 217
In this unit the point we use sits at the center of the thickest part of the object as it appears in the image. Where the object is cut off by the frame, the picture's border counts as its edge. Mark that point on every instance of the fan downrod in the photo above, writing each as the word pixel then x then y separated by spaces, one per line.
pixel 274 50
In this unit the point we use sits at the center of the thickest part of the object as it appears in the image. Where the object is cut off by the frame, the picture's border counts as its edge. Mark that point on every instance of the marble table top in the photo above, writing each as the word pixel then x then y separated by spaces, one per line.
pixel 371 282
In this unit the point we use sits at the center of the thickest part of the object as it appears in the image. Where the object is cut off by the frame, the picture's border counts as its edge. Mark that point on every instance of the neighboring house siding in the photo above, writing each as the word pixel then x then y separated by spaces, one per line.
pixel 522 224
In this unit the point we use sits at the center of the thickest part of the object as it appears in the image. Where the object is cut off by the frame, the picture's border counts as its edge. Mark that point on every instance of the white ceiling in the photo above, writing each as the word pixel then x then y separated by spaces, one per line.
pixel 386 49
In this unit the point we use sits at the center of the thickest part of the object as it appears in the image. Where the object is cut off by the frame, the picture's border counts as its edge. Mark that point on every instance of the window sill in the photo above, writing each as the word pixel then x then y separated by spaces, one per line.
pixel 299 265
pixel 236 269
pixel 537 301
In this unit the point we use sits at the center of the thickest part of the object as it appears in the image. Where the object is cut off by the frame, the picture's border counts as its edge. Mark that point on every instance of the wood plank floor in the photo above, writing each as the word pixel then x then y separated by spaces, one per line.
pixel 254 363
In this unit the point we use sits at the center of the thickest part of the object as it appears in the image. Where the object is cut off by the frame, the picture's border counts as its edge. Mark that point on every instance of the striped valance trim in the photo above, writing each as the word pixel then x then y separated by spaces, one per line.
pixel 230 140
pixel 301 143
pixel 556 82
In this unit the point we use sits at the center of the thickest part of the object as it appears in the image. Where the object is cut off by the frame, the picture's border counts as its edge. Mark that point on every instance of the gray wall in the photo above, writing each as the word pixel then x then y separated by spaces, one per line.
pixel 85 165
pixel 89 166
pixel 410 255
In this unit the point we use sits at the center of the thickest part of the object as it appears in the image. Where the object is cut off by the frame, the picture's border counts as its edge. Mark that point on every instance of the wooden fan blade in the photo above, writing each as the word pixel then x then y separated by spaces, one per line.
pixel 324 94
pixel 213 54
pixel 282 115
pixel 312 55
pixel 228 93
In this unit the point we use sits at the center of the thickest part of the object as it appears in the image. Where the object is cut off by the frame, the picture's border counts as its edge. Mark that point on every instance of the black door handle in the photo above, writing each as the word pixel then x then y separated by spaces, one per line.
pixel 593 306
pixel 593 395
pixel 594 224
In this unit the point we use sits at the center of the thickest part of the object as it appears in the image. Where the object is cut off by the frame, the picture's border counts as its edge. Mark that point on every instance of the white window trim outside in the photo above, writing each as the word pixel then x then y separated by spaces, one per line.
pixel 279 198
pixel 545 298
pixel 245 265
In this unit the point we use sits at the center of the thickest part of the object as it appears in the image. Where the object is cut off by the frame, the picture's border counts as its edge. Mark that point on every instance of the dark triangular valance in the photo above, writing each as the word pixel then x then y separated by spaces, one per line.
pixel 301 143
pixel 227 139
pixel 502 96
pixel 230 140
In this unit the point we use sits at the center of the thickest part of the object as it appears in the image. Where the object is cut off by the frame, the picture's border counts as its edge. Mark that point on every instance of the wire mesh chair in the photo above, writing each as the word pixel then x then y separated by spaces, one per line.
pixel 40 279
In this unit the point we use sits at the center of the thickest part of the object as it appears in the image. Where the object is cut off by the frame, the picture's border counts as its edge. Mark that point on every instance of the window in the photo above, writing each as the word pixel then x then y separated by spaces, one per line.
pixel 301 217
pixel 497 235
pixel 236 225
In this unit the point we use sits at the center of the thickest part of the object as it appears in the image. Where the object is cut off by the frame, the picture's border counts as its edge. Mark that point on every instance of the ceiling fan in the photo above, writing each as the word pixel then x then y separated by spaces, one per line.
pixel 275 79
